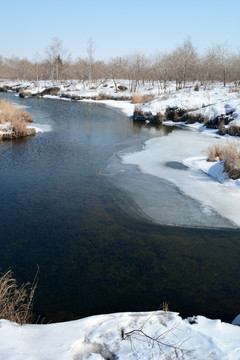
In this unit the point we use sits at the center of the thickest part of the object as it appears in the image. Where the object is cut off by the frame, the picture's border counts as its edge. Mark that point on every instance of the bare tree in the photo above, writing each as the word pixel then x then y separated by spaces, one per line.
pixel 161 70
pixel 223 57
pixel 55 53
pixel 90 51
pixel 137 69
pixel 114 70
pixel 183 61
pixel 36 64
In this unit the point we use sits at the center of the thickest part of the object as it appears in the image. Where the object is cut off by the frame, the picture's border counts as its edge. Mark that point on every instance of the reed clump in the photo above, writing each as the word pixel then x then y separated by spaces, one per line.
pixel 216 152
pixel 137 98
pixel 230 154
pixel 16 120
pixel 16 302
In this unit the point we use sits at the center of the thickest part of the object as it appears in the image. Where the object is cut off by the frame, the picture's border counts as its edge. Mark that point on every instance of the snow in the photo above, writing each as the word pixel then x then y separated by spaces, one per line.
pixel 99 337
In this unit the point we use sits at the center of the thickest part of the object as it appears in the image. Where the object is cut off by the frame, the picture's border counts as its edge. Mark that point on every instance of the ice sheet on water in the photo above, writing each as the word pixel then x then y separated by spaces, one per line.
pixel 168 193
pixel 41 127
pixel 160 200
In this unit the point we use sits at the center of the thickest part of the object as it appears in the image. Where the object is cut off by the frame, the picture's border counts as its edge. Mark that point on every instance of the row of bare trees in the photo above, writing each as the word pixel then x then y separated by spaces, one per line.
pixel 181 66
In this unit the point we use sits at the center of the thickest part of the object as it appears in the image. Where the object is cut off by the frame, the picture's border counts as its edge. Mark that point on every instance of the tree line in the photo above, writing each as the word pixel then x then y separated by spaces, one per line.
pixel 181 65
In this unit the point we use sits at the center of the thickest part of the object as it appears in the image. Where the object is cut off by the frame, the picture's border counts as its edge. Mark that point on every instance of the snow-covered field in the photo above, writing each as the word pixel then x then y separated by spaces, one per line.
pixel 105 337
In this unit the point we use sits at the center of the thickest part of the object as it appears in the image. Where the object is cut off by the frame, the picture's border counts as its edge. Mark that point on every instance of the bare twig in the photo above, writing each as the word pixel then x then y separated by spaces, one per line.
pixel 159 340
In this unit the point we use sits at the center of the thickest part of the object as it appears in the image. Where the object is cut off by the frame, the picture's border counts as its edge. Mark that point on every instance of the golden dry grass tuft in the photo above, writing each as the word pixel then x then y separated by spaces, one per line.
pixel 232 161
pixel 230 153
pixel 137 98
pixel 215 152
pixel 16 303
pixel 8 112
pixel 17 118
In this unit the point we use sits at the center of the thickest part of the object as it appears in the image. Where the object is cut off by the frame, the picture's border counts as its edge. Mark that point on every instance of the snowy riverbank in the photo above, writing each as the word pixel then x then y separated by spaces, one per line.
pixel 102 337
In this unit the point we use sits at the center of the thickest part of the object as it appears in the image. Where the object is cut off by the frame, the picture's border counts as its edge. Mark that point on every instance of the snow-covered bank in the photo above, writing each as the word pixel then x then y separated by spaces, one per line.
pixel 101 337
pixel 213 103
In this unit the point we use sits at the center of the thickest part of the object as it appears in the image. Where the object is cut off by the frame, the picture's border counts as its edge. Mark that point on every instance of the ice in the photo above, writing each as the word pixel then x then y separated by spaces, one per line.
pixel 168 189
pixel 40 127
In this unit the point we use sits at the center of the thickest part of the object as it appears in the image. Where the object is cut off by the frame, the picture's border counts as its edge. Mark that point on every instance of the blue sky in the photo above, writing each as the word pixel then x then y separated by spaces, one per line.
pixel 117 27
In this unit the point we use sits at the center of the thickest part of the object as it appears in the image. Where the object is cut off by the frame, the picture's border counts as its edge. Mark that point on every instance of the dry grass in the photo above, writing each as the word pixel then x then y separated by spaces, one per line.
pixel 232 161
pixel 148 98
pixel 16 302
pixel 230 153
pixel 137 98
pixel 233 89
pixel 18 118
pixel 215 152
pixel 8 112
pixel 102 96
pixel 19 127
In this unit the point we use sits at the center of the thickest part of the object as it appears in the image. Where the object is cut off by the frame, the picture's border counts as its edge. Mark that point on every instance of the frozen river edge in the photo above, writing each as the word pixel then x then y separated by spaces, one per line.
pixel 190 192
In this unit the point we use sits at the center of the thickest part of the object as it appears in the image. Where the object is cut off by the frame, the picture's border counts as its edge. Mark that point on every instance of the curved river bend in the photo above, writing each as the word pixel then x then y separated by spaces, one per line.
pixel 97 253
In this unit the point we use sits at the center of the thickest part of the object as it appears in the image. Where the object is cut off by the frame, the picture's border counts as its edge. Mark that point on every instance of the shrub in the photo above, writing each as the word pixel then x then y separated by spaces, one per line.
pixel 193 118
pixel 16 302
pixel 137 98
pixel 196 88
pixel 234 130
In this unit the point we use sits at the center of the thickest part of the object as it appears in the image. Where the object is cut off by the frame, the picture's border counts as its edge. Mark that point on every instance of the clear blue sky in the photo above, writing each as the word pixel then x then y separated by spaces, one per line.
pixel 117 27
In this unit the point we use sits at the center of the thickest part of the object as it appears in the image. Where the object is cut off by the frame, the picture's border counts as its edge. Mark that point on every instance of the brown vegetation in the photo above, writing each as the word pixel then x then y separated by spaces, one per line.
pixel 192 118
pixel 230 153
pixel 137 98
pixel 232 161
pixel 215 152
pixel 148 98
pixel 16 302
pixel 18 120
pixel 234 130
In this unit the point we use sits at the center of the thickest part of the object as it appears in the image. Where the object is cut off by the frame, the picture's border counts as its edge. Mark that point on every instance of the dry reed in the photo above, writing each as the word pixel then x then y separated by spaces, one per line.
pixel 232 161
pixel 17 118
pixel 215 152
pixel 230 153
pixel 137 98
pixel 16 303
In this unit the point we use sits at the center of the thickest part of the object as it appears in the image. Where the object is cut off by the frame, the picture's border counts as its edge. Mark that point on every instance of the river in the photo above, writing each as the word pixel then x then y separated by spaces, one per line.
pixel 97 252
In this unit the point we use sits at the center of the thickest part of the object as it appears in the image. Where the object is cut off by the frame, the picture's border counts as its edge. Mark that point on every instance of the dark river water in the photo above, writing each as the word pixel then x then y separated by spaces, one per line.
pixel 95 251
